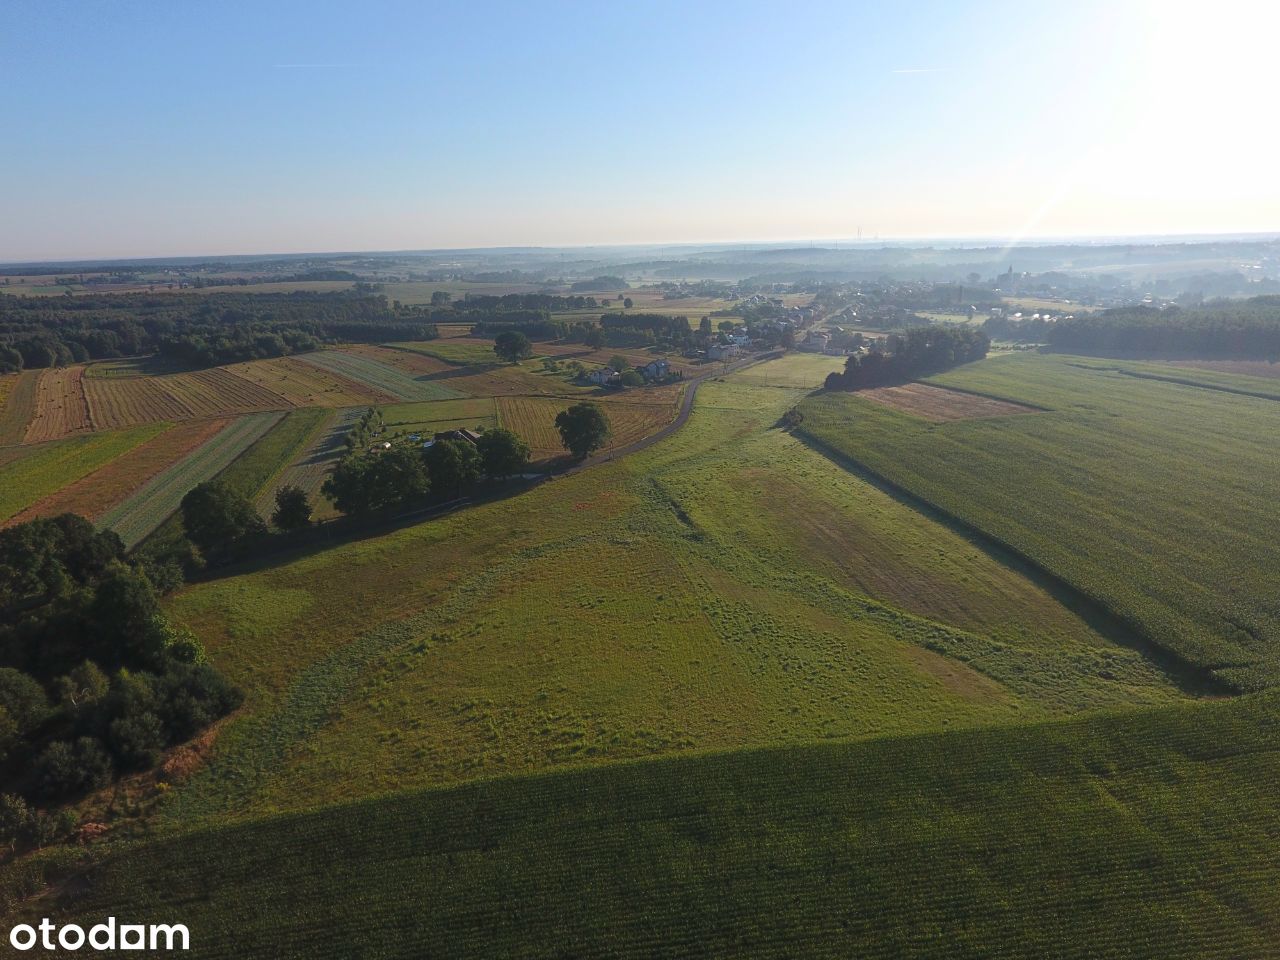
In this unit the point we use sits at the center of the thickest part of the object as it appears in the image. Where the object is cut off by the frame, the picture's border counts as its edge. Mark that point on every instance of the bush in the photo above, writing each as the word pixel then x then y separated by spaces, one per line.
pixel 67 769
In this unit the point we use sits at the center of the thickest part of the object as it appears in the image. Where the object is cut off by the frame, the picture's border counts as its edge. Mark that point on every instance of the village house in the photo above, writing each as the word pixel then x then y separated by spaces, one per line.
pixel 603 377
pixel 723 351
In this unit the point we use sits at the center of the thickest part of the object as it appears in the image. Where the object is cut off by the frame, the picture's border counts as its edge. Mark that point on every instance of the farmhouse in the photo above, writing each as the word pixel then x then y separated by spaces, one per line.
pixel 603 377
pixel 463 434
pixel 655 369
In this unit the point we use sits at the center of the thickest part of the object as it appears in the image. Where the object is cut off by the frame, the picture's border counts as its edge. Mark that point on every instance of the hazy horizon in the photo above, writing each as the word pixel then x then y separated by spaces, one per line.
pixel 326 128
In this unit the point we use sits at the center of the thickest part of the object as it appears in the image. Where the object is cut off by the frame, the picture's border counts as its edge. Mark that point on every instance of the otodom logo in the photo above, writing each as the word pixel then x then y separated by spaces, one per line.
pixel 101 936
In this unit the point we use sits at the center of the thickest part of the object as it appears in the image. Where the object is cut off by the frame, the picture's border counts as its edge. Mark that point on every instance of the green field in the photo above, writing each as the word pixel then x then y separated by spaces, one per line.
pixel 1112 490
pixel 153 504
pixel 1146 835
pixel 52 466
pixel 379 376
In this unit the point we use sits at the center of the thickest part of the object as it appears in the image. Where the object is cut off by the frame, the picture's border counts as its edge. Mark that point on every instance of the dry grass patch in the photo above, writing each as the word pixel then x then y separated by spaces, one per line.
pixel 305 385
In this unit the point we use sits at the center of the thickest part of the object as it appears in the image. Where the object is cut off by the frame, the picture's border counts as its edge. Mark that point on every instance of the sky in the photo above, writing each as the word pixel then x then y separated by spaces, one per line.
pixel 166 129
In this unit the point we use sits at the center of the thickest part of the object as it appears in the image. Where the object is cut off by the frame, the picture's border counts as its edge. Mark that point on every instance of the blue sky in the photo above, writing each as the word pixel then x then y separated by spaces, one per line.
pixel 139 128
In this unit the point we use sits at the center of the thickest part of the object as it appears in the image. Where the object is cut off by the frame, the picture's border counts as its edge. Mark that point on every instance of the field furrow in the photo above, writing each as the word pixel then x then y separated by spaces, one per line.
pixel 157 500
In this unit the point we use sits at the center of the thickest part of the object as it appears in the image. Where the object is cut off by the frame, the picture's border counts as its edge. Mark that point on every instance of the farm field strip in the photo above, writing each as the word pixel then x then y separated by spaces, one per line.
pixel 939 405
pixel 94 494
pixel 305 384
pixel 436 415
pixel 18 406
pixel 379 376
pixel 155 502
pixel 214 392
pixel 59 463
pixel 61 407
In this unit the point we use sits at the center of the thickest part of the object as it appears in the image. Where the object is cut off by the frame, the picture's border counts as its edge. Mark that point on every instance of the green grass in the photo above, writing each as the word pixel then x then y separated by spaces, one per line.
pixel 727 587
pixel 380 376
pixel 156 503
pixel 1156 499
pixel 54 465
pixel 1149 835
pixel 460 354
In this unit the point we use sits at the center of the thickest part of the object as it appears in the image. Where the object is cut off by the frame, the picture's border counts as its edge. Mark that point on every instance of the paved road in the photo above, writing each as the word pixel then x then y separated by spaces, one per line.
pixel 686 408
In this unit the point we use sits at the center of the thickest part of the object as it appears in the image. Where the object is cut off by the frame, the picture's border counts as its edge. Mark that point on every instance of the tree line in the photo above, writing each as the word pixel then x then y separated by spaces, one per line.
pixel 916 352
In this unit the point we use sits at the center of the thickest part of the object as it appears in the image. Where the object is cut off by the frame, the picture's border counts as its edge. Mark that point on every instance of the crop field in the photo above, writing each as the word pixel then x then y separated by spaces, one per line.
pixel 306 385
pixel 52 466
pixel 724 588
pixel 94 494
pixel 1111 491
pixel 321 453
pixel 387 380
pixel 215 392
pixel 1163 832
pixel 17 406
pixel 149 507
pixel 938 404
pixel 60 405
pixel 806 370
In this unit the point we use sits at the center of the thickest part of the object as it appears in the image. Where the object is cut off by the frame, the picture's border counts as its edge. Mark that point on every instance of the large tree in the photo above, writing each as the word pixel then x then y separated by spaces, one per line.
pixel 583 428
pixel 216 517
pixel 502 453
pixel 453 465
pixel 293 508
pixel 512 346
